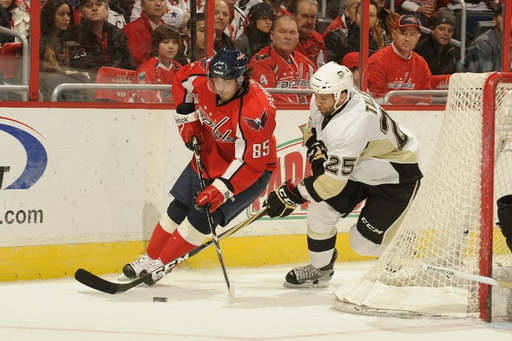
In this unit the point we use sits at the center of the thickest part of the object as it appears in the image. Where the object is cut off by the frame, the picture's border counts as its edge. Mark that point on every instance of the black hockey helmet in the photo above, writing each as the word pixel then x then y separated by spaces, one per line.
pixel 260 10
pixel 228 64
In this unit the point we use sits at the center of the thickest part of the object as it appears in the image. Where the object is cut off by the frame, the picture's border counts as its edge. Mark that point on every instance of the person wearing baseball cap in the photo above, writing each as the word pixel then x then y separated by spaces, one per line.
pixel 408 20
pixel 441 56
pixel 351 61
pixel 484 53
pixel 397 66
pixel 257 33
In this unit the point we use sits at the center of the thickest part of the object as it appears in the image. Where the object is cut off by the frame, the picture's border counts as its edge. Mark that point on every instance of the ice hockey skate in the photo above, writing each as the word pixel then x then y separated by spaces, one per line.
pixel 308 276
pixel 157 275
pixel 141 266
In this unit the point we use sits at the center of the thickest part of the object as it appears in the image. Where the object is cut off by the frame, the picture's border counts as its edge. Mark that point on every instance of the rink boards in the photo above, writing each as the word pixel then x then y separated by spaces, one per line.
pixel 85 187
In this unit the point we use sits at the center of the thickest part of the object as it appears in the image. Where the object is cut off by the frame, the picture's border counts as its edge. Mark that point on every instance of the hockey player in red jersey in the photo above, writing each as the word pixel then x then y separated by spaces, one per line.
pixel 357 152
pixel 233 118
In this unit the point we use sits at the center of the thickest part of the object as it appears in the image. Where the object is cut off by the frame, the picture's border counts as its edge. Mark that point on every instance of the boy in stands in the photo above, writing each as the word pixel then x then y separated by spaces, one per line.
pixel 161 69
pixel 233 118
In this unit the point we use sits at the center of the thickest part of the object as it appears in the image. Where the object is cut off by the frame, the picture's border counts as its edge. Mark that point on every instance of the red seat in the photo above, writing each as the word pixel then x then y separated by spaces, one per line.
pixel 10 58
pixel 439 82
pixel 112 75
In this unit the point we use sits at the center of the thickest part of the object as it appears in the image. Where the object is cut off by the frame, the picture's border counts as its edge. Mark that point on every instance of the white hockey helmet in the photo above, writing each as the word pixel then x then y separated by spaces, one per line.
pixel 332 78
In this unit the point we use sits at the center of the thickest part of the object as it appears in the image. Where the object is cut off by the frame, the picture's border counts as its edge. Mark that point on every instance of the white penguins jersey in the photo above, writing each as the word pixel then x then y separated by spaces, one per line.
pixel 364 144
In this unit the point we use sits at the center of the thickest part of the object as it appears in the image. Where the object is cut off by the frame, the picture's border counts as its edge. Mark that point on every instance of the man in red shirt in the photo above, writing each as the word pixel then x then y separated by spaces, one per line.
pixel 233 118
pixel 139 31
pixel 280 65
pixel 311 43
pixel 397 66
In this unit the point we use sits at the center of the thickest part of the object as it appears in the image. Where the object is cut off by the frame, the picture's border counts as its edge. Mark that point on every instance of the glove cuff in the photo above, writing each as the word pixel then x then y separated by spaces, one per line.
pixel 186 118
pixel 223 186
pixel 303 191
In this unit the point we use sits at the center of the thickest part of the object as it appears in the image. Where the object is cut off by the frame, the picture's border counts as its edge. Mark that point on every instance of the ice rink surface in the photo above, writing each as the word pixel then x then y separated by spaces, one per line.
pixel 198 308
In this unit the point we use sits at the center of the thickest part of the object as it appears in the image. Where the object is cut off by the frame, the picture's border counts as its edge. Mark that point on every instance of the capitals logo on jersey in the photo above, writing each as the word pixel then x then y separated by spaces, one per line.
pixel 257 123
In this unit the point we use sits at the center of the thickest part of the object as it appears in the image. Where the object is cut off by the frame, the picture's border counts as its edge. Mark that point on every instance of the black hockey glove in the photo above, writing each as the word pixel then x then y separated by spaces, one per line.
pixel 185 108
pixel 505 218
pixel 317 155
pixel 283 200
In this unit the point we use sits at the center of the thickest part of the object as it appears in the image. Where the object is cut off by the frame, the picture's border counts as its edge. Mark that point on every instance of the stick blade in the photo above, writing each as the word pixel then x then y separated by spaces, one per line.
pixel 92 281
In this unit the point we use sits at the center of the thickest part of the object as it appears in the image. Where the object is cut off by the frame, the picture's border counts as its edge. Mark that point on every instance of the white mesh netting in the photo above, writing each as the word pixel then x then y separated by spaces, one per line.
pixel 443 225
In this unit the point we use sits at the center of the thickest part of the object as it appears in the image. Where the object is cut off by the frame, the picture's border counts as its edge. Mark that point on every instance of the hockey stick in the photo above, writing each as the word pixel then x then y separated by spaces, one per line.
pixel 215 238
pixel 95 282
pixel 464 275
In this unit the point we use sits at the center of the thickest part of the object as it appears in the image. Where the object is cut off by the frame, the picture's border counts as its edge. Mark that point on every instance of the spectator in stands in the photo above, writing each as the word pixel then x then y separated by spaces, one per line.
pixel 278 7
pixel 98 43
pixel 341 22
pixel 173 15
pixel 160 69
pixel 310 43
pixel 54 63
pixel 484 53
pixel 115 18
pixel 441 56
pixel 139 31
pixel 123 7
pixel 280 65
pixel 222 17
pixel 385 24
pixel 476 5
pixel 421 9
pixel 13 18
pixel 351 61
pixel 397 66
pixel 257 34
pixel 236 21
pixel 339 44
pixel 185 52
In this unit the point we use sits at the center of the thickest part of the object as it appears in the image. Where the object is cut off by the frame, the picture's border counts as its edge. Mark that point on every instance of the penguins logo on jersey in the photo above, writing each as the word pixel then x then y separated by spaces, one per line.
pixel 258 123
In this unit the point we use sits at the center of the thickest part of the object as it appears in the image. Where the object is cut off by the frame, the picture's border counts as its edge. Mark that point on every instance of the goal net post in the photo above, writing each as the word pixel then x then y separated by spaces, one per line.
pixel 451 223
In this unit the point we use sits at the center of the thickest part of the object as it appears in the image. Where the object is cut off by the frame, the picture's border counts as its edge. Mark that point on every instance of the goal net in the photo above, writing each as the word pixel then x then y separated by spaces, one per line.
pixel 451 222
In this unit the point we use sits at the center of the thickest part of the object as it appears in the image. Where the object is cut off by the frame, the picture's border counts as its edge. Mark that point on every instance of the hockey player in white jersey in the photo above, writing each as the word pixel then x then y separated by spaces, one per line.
pixel 358 152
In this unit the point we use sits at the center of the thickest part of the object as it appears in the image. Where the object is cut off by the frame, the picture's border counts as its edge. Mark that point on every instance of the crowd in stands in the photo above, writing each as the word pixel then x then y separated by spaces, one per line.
pixel 152 40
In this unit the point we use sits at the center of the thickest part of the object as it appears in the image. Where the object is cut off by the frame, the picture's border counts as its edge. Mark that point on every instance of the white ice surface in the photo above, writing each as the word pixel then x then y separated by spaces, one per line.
pixel 198 308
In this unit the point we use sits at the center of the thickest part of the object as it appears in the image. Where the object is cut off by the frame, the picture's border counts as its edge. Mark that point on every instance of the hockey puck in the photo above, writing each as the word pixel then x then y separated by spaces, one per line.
pixel 159 299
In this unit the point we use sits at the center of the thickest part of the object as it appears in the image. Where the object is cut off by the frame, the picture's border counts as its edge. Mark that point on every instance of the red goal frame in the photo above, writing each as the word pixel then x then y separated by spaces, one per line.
pixel 487 181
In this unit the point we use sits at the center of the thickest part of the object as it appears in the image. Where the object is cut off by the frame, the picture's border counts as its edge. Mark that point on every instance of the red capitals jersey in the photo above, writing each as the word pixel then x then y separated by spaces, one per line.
pixel 389 71
pixel 153 72
pixel 239 143
pixel 339 23
pixel 272 71
pixel 313 47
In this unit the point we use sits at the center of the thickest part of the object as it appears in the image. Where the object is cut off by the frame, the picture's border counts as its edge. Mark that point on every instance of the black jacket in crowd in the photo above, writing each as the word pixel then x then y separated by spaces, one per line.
pixel 338 44
pixel 442 62
pixel 88 54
